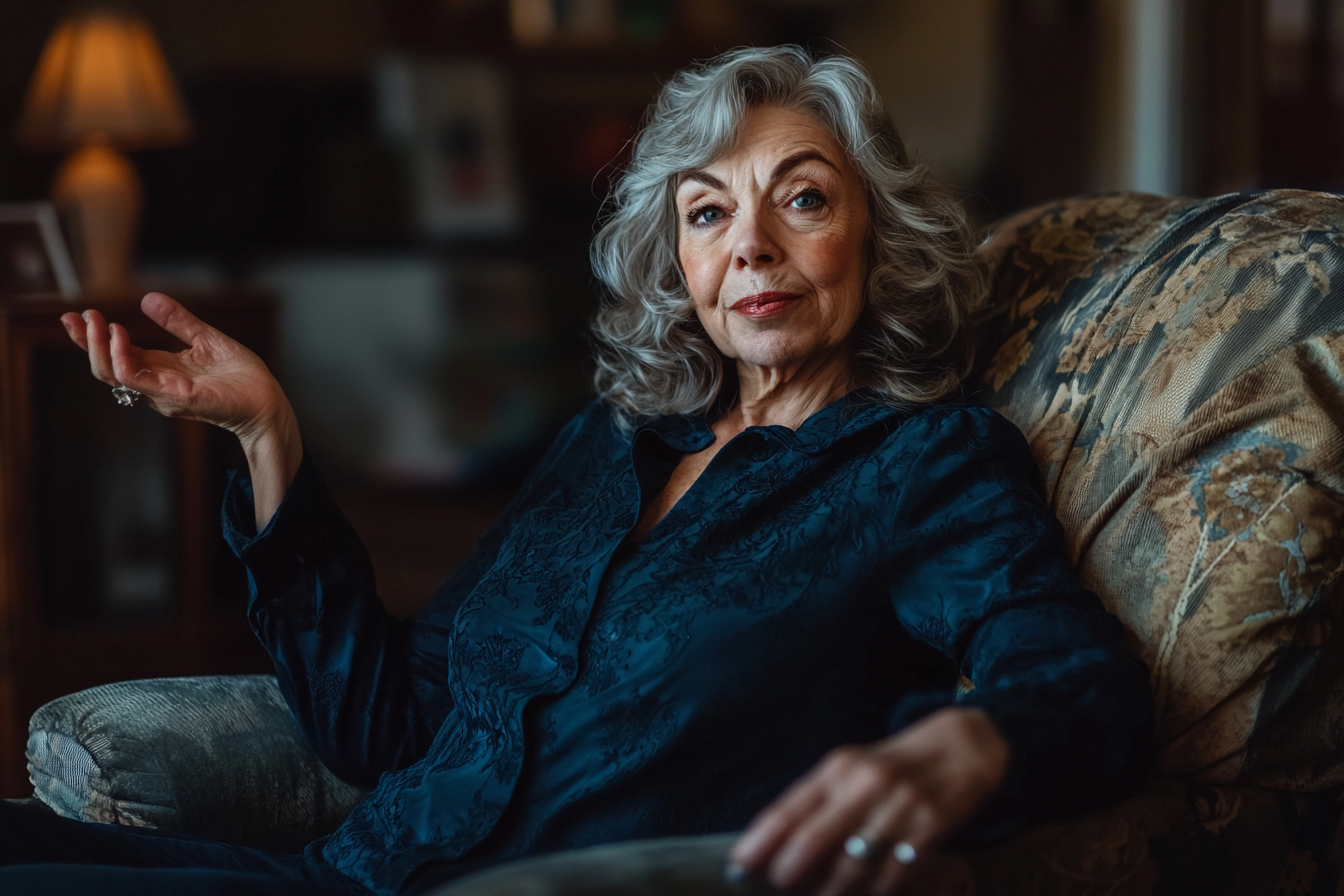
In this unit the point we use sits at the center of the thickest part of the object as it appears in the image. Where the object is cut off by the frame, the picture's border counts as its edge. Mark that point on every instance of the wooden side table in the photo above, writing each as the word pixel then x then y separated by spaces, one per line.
pixel 111 562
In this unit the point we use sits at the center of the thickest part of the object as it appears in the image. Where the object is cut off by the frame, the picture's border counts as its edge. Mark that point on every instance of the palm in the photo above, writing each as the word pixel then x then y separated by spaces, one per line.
pixel 214 379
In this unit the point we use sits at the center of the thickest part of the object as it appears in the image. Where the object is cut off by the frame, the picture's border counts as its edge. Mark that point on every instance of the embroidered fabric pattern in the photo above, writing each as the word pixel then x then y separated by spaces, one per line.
pixel 813 588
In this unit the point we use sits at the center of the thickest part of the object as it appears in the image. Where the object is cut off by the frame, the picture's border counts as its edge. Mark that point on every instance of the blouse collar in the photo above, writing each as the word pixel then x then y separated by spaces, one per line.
pixel 850 413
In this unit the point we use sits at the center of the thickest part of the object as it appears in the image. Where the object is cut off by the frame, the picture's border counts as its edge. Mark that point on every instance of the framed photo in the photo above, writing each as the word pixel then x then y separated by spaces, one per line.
pixel 33 256
pixel 452 121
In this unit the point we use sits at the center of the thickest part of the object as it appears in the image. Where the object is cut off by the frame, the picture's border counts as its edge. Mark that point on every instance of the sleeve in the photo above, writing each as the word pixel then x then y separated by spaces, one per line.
pixel 368 690
pixel 981 572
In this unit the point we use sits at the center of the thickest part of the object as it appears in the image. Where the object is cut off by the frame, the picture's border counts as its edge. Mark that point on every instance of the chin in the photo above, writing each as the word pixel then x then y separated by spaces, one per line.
pixel 775 353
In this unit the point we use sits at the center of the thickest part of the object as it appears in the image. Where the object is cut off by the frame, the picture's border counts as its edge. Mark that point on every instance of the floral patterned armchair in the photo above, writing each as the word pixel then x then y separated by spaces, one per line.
pixel 1178 368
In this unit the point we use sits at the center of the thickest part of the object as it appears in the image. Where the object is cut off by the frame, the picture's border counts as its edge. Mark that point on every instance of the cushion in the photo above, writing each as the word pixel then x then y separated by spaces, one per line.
pixel 1178 368
pixel 217 757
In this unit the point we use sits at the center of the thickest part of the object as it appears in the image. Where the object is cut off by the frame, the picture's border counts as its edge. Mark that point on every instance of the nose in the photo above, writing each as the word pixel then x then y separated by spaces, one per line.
pixel 755 245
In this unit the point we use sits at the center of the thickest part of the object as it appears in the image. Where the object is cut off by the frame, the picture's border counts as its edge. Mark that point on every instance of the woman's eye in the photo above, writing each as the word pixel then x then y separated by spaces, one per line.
pixel 706 215
pixel 807 200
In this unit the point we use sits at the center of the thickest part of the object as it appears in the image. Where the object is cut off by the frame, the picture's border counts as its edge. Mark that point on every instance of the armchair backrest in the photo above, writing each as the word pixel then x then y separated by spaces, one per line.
pixel 1178 367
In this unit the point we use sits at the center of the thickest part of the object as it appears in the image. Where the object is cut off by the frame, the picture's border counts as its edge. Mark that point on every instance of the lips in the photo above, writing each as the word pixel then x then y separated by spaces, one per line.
pixel 763 303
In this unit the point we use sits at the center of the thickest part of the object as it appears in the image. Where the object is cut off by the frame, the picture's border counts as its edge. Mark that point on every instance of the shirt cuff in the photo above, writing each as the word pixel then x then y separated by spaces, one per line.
pixel 306 501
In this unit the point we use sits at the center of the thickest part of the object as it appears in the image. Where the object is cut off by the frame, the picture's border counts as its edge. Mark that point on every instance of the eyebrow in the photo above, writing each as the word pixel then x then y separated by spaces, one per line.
pixel 798 158
pixel 704 177
pixel 784 167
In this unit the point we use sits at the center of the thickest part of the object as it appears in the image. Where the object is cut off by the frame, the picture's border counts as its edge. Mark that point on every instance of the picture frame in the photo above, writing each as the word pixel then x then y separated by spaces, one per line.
pixel 451 119
pixel 34 259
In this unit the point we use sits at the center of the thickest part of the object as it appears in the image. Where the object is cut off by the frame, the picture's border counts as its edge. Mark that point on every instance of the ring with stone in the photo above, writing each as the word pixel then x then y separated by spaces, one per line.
pixel 860 846
pixel 125 395
pixel 903 852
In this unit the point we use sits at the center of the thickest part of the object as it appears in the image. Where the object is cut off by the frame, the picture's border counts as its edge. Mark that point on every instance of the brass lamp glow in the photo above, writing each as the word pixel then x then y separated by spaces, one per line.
pixel 102 82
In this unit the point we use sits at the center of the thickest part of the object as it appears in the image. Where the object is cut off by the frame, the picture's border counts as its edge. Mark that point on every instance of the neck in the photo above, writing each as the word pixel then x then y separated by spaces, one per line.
pixel 769 396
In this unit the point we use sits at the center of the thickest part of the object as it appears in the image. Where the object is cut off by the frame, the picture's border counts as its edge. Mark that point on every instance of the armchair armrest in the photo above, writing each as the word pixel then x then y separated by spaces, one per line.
pixel 1173 837
pixel 669 866
pixel 217 757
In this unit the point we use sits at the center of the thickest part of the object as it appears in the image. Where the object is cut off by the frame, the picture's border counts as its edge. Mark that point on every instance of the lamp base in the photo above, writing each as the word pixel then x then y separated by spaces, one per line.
pixel 99 186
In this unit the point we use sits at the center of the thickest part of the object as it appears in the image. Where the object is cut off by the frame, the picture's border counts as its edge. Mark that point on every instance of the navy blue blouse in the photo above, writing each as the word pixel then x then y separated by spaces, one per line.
pixel 813 588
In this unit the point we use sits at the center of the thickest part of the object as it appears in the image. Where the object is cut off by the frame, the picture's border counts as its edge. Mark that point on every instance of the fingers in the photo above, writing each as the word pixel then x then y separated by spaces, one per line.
pixel 912 789
pixel 112 358
pixel 128 365
pixel 776 823
pixel 903 823
pixel 901 818
pixel 98 343
pixel 170 315
pixel 853 786
pixel 799 840
pixel 74 328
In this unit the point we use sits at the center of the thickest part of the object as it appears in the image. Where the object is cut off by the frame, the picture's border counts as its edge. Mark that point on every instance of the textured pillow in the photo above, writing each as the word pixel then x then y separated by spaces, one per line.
pixel 217 757
pixel 1176 366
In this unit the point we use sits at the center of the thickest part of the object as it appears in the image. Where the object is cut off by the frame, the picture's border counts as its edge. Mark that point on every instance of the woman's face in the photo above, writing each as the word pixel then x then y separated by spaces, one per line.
pixel 771 241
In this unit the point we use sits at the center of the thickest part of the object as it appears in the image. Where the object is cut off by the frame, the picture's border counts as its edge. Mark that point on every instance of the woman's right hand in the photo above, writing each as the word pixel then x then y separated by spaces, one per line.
pixel 910 791
pixel 214 379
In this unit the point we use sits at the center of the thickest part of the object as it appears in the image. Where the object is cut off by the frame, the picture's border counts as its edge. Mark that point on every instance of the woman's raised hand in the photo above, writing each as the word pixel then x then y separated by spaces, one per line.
pixel 214 379
pixel 866 819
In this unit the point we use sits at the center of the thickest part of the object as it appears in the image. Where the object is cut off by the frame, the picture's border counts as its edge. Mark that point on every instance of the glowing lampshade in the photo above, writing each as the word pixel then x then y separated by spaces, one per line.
pixel 102 81
pixel 102 72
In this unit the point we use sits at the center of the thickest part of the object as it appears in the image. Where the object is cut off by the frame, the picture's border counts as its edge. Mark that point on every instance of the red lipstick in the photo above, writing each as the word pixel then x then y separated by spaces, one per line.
pixel 762 304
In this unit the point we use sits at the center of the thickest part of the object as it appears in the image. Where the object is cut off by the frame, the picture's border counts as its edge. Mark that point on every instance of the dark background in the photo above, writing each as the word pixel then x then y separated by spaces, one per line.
pixel 1013 102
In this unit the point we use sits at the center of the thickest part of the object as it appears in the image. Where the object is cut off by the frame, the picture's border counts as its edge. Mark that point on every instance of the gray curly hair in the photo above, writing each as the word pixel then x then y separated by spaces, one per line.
pixel 913 342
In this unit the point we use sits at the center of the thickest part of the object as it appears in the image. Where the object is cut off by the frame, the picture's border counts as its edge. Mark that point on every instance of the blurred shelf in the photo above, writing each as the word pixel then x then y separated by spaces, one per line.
pixel 111 562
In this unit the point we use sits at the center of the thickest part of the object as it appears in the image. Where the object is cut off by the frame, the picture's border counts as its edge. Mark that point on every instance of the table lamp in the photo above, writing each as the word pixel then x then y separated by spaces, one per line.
pixel 102 82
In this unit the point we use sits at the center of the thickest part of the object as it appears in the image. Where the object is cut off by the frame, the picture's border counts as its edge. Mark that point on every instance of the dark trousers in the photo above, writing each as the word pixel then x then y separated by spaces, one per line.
pixel 42 853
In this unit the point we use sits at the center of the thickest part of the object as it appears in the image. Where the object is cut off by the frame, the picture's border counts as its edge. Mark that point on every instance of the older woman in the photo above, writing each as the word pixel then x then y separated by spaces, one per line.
pixel 756 565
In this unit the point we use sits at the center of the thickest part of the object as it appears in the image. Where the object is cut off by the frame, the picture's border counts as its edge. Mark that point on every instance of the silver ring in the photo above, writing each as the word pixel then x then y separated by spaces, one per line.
pixel 904 853
pixel 125 395
pixel 859 846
